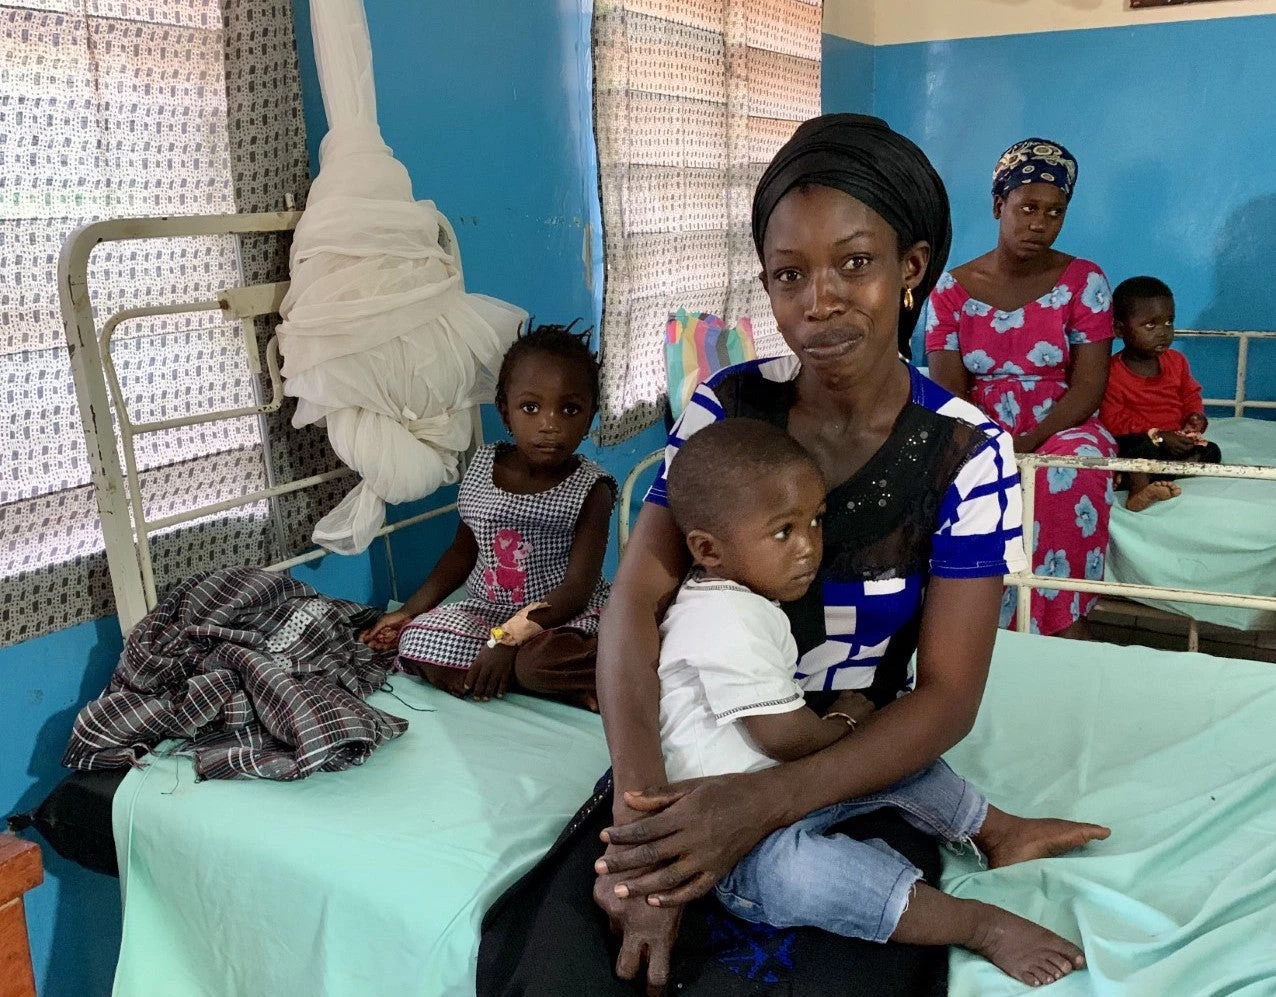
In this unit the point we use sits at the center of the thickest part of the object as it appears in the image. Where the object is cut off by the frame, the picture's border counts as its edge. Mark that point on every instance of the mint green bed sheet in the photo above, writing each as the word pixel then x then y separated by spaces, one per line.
pixel 373 881
pixel 1219 535
pixel 362 883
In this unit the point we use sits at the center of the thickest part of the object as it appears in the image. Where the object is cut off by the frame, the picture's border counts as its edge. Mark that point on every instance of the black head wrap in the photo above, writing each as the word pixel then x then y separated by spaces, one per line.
pixel 877 166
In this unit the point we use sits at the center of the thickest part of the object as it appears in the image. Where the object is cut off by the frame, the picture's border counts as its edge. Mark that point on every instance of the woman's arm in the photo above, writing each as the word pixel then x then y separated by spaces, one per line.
pixel 946 369
pixel 585 561
pixel 1087 377
pixel 943 339
pixel 653 565
pixel 704 827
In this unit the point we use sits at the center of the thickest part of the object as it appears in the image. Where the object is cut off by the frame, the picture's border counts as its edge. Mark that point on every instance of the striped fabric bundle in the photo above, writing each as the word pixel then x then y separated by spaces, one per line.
pixel 260 674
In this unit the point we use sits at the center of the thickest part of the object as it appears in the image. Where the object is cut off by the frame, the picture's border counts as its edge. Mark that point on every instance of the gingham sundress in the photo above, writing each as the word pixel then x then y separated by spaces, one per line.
pixel 523 545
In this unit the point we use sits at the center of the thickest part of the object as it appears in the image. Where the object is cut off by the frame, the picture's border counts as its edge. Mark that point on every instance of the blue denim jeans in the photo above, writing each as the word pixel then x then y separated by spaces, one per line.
pixel 802 876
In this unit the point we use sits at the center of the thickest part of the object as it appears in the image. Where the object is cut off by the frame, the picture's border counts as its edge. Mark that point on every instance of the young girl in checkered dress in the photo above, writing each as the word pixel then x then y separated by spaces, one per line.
pixel 534 524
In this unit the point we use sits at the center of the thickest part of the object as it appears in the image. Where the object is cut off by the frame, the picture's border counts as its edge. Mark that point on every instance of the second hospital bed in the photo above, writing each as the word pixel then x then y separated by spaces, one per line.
pixel 1217 536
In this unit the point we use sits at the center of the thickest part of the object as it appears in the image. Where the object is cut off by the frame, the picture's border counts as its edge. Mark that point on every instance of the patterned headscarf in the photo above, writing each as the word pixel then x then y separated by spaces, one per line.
pixel 862 156
pixel 1035 160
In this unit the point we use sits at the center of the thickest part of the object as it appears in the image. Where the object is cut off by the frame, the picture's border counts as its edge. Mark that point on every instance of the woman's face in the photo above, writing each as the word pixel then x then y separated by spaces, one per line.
pixel 1031 217
pixel 835 275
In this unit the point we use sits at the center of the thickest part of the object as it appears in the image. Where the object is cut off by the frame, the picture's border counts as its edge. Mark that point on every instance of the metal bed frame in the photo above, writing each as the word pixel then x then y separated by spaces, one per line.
pixel 1030 463
pixel 116 485
pixel 1026 581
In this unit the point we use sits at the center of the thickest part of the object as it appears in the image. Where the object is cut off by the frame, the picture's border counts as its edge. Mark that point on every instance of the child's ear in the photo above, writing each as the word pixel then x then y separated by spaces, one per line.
pixel 503 409
pixel 704 548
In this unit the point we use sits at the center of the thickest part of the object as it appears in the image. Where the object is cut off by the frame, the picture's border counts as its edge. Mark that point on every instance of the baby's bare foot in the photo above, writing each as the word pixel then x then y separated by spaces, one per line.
pixel 1157 491
pixel 1006 839
pixel 1026 951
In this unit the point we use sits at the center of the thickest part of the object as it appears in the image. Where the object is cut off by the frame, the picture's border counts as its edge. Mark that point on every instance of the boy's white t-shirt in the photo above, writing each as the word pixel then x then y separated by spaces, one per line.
pixel 725 653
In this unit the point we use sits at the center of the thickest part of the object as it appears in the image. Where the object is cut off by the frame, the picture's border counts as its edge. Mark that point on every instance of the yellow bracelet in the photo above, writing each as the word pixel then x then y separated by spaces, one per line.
pixel 851 722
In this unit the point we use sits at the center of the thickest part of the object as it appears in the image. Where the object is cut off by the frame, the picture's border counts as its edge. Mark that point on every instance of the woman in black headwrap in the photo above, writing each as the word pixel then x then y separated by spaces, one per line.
pixel 852 229
pixel 1024 333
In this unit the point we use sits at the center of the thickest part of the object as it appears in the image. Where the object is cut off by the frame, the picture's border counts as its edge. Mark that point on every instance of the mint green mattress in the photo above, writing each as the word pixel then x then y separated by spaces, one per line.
pixel 373 881
pixel 1219 535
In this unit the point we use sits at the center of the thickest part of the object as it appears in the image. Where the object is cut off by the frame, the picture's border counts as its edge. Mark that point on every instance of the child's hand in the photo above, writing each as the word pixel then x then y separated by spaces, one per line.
pixel 1196 424
pixel 1178 444
pixel 854 704
pixel 489 676
pixel 384 634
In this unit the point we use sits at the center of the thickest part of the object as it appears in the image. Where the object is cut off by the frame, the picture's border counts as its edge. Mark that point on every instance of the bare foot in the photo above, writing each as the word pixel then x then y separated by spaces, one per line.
pixel 588 701
pixel 1157 491
pixel 1026 951
pixel 1006 839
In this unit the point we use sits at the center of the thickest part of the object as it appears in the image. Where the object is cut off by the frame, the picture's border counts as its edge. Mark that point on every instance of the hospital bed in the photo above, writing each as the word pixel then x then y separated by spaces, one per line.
pixel 1216 536
pixel 374 880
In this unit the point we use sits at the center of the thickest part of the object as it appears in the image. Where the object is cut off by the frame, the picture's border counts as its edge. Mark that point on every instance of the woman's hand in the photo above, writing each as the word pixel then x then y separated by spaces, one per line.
pixel 1026 443
pixel 384 634
pixel 693 834
pixel 647 934
pixel 489 675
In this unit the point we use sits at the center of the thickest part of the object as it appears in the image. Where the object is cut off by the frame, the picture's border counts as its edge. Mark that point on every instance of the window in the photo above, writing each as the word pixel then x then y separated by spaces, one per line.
pixel 115 108
pixel 692 99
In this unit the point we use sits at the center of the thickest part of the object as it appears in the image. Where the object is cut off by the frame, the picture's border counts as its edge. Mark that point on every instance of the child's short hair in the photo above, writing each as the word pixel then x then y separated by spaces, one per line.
pixel 1136 289
pixel 556 340
pixel 715 470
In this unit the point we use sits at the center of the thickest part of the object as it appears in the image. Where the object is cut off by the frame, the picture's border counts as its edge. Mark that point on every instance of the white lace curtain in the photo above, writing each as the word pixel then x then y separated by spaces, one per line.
pixel 692 98
pixel 114 108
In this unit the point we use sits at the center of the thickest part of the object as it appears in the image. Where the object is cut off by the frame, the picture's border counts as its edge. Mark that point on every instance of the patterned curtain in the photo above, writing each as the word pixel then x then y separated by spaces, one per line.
pixel 114 108
pixel 692 98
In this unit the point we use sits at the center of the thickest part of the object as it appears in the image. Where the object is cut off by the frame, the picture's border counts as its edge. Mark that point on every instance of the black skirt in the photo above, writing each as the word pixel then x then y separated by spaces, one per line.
pixel 546 936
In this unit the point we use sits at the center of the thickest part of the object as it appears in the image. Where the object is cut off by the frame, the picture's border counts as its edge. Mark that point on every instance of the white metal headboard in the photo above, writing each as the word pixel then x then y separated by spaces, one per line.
pixel 116 485
pixel 1238 402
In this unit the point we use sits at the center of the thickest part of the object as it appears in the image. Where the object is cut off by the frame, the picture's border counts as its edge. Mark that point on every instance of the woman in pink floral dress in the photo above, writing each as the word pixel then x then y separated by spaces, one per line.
pixel 1023 332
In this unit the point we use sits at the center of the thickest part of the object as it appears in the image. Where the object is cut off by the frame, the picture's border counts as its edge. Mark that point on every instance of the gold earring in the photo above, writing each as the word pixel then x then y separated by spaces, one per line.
pixel 908 299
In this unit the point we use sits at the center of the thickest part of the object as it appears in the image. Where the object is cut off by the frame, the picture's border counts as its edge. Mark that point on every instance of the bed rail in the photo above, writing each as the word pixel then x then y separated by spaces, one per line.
pixel 1239 403
pixel 1026 581
pixel 117 484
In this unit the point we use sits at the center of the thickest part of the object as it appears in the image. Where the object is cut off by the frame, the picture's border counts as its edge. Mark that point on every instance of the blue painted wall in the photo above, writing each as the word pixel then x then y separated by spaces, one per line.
pixel 846 75
pixel 489 106
pixel 1174 126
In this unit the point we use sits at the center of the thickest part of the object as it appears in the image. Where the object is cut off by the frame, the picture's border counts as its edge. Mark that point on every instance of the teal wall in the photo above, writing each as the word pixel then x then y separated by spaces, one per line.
pixel 1174 127
pixel 846 75
pixel 488 104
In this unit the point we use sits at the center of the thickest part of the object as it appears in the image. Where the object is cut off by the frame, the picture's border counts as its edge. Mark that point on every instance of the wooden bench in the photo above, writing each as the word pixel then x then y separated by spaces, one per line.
pixel 20 871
